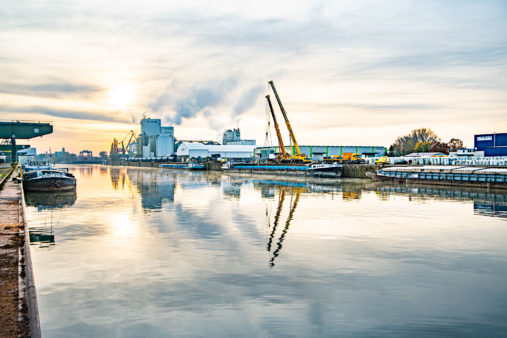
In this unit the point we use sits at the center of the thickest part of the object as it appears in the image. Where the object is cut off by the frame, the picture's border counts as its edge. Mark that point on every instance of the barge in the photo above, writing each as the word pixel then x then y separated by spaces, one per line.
pixel 445 175
pixel 48 180
pixel 313 170
pixel 189 166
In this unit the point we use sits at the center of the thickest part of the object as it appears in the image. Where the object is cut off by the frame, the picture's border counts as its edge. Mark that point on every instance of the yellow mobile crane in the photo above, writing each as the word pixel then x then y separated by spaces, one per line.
pixel 282 153
pixel 298 156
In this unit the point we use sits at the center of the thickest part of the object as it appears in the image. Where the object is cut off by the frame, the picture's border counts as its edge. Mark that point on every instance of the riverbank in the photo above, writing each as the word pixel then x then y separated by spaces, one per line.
pixel 349 170
pixel 18 303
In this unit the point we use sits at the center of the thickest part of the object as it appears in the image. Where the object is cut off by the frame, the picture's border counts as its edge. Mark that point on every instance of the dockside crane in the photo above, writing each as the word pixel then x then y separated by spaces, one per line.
pixel 121 147
pixel 298 156
pixel 282 153
pixel 125 145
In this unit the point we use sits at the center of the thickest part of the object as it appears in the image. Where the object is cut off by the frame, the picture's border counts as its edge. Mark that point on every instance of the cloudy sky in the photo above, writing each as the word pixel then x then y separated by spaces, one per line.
pixel 348 72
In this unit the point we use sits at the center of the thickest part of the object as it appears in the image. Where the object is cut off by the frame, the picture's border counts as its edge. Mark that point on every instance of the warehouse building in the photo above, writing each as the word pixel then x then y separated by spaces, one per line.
pixel 317 153
pixel 491 144
pixel 188 150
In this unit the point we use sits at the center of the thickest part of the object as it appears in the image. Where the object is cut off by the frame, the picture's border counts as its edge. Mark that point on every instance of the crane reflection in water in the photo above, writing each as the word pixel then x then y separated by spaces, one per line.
pixel 43 235
pixel 295 193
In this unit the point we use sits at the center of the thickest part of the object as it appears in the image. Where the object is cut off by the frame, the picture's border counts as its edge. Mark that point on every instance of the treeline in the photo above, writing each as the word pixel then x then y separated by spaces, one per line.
pixel 423 140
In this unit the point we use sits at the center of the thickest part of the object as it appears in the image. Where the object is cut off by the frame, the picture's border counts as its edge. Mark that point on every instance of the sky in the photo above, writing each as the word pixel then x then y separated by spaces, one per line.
pixel 348 72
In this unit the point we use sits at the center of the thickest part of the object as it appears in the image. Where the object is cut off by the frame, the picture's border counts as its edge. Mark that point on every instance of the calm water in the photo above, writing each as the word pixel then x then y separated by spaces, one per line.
pixel 147 252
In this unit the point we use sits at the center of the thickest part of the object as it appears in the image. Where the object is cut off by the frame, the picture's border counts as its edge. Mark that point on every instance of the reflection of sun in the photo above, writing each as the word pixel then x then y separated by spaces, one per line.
pixel 121 95
pixel 122 226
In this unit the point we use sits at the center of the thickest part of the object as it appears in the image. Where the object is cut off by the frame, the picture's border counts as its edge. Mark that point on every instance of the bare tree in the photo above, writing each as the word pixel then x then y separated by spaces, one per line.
pixel 439 147
pixel 406 144
pixel 455 144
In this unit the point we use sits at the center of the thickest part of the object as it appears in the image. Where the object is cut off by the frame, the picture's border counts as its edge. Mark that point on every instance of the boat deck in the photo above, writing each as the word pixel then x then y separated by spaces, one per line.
pixel 447 174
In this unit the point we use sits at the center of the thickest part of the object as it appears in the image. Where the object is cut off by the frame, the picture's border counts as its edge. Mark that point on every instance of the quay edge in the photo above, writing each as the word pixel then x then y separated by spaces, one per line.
pixel 18 300
pixel 349 170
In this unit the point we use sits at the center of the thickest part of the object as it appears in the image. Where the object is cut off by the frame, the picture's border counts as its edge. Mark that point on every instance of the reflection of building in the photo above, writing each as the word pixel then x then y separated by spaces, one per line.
pixel 155 140
pixel 490 209
pixel 491 144
pixel 233 137
pixel 153 187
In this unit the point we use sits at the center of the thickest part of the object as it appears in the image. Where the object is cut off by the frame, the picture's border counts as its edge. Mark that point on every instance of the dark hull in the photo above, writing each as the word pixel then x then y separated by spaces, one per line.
pixel 404 180
pixel 325 172
pixel 50 184
pixel 289 171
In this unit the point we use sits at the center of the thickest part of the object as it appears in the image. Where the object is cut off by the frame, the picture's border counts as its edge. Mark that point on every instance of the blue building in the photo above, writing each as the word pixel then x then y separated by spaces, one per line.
pixel 492 144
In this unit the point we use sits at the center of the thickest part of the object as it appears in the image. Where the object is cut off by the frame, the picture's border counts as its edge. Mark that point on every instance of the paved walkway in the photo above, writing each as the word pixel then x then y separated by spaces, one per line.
pixel 11 248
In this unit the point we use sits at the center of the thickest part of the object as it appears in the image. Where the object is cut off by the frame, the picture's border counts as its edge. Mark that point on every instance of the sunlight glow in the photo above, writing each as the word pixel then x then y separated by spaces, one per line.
pixel 122 226
pixel 121 96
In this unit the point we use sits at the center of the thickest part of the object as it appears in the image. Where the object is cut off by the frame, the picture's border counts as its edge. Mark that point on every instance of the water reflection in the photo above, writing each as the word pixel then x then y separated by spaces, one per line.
pixel 149 252
pixel 292 208
pixel 486 203
pixel 43 235
pixel 50 200
pixel 493 209
pixel 153 187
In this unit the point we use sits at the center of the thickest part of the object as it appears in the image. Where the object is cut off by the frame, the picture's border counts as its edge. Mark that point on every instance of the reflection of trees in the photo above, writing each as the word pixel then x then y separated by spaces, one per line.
pixel 293 204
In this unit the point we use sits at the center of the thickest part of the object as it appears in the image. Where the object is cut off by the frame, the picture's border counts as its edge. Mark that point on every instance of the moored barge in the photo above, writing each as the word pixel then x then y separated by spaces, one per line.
pixel 445 175
pixel 189 166
pixel 313 170
pixel 48 180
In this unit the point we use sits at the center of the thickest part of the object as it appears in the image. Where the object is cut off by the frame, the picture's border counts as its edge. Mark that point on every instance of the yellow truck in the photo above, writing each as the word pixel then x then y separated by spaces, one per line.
pixel 352 158
pixel 345 158
pixel 382 160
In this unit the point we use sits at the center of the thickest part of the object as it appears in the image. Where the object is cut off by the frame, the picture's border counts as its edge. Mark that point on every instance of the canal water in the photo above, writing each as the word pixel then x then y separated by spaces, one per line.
pixel 153 253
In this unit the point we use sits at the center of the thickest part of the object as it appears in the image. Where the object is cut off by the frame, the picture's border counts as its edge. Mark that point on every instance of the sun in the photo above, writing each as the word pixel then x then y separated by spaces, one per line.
pixel 121 95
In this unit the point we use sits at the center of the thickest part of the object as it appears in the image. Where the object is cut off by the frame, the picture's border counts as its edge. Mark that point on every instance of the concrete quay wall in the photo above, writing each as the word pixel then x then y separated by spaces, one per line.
pixel 358 170
pixel 349 170
pixel 18 300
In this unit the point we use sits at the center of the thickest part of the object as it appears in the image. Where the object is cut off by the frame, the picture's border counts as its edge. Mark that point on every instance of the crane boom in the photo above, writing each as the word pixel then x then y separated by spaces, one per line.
pixel 277 128
pixel 131 135
pixel 291 133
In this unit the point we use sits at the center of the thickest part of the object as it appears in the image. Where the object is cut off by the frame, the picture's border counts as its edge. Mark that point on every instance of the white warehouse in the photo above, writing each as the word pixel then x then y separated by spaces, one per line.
pixel 196 150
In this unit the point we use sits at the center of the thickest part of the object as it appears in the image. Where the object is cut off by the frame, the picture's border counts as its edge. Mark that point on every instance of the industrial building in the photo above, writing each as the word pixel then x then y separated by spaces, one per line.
pixel 491 144
pixel 154 140
pixel 233 137
pixel 318 152
pixel 27 155
pixel 198 150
